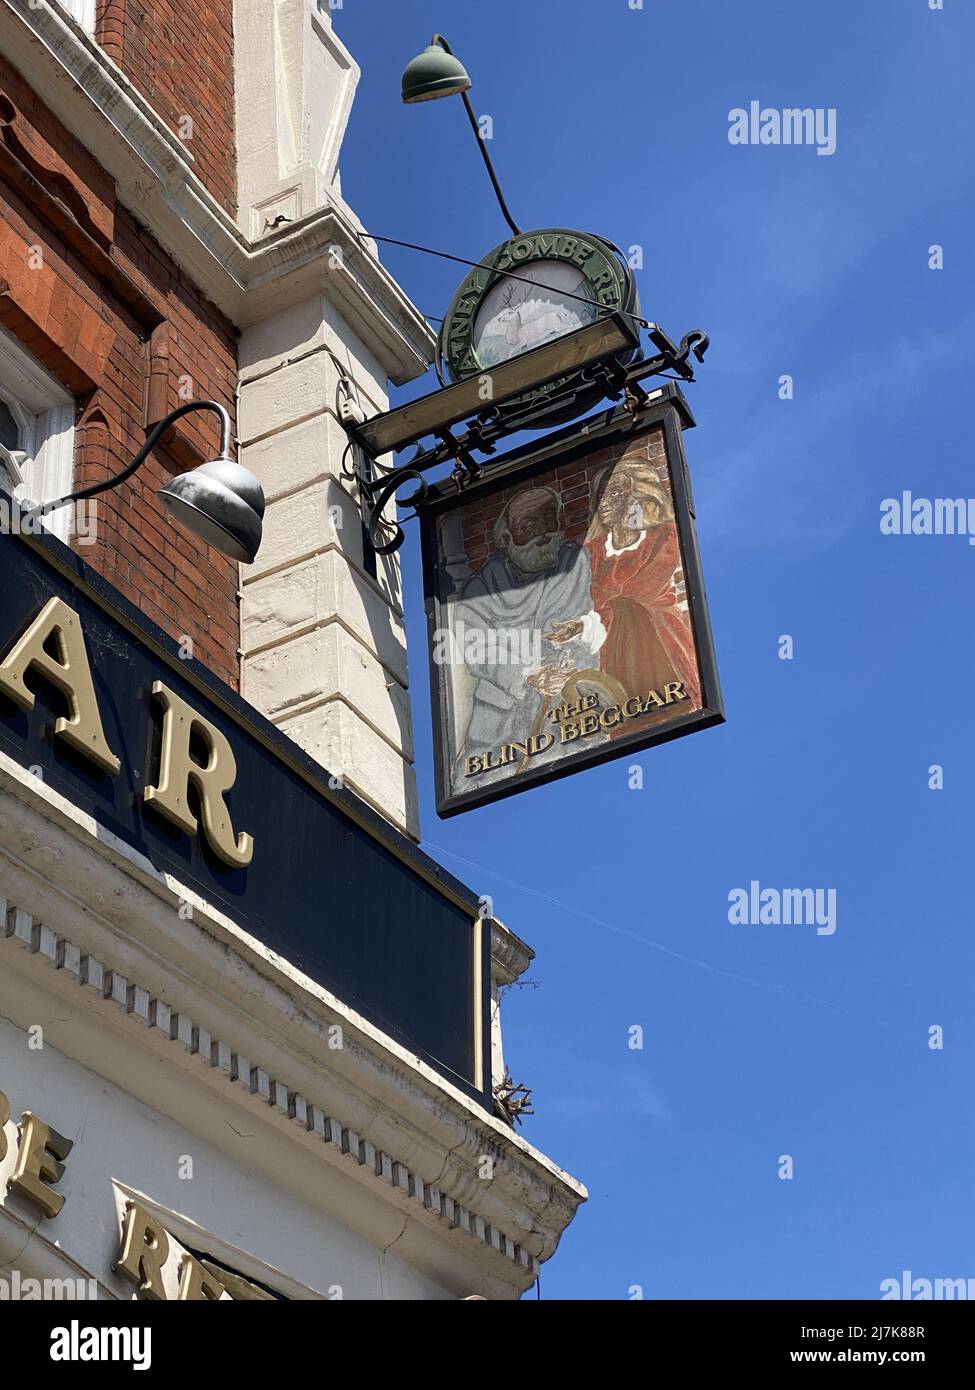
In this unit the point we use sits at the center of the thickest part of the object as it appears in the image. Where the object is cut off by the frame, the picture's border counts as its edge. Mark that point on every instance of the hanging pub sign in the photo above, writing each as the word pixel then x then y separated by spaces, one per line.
pixel 567 615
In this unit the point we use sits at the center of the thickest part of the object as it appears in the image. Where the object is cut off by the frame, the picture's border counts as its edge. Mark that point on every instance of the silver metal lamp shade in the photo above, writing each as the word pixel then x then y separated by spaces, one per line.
pixel 222 503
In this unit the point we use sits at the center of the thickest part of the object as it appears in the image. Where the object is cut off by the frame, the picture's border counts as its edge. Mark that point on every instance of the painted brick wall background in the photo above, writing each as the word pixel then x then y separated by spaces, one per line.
pixel 179 55
pixel 91 294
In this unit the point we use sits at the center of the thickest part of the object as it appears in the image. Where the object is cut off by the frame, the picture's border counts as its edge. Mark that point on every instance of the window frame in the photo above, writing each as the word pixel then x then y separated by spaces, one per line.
pixel 44 411
pixel 83 11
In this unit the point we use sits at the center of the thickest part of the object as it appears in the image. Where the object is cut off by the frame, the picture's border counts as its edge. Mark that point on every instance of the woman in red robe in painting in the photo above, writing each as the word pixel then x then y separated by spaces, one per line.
pixel 635 553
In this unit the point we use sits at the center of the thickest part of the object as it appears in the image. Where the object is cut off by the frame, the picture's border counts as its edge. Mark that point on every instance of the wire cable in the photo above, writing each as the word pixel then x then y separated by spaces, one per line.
pixel 484 265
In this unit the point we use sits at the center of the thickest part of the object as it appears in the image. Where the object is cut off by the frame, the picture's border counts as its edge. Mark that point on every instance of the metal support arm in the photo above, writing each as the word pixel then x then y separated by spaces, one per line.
pixel 482 145
pixel 156 434
pixel 489 425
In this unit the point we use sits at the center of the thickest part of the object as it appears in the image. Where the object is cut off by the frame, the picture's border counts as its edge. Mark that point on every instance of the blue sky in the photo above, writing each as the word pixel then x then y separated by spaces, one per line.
pixel 759 1040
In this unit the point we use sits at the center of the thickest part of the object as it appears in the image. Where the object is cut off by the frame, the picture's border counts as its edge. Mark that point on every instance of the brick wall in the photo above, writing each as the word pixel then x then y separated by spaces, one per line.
pixel 179 55
pixel 91 294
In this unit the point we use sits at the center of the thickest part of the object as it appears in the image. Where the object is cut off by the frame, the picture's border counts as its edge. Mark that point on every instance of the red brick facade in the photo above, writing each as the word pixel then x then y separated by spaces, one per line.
pixel 180 57
pixel 90 293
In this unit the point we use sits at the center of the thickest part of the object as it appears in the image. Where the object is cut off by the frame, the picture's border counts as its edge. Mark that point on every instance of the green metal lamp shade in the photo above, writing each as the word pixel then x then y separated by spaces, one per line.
pixel 434 73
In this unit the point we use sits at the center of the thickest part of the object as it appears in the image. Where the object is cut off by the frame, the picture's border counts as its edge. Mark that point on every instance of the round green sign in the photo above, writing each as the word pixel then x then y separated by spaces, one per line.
pixel 528 291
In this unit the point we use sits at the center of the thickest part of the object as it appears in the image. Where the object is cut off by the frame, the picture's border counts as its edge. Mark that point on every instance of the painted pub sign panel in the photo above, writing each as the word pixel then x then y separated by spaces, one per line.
pixel 566 608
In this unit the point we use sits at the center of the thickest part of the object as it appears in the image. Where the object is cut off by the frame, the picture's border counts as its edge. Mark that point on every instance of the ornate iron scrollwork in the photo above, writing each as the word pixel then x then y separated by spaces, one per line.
pixel 697 341
pixel 380 526
pixel 611 379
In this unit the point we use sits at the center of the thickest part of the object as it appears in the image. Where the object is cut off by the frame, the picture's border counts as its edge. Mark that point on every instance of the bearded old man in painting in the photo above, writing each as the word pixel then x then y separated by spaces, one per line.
pixel 534 581
pixel 635 557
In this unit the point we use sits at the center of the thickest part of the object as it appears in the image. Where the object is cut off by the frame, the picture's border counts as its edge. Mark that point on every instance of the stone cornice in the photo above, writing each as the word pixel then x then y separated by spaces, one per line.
pixel 510 956
pixel 154 176
pixel 397 1130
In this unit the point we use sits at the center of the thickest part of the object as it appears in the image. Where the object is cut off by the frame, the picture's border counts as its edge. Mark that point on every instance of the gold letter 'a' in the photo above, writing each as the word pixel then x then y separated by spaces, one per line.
pixel 69 672
pixel 177 771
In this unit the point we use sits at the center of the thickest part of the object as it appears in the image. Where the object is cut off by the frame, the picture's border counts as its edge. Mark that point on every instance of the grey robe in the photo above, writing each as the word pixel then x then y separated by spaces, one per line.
pixel 498 598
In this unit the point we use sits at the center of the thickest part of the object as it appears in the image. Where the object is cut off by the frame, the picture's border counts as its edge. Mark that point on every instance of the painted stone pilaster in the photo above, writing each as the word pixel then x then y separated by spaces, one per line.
pixel 322 640
pixel 295 82
pixel 323 646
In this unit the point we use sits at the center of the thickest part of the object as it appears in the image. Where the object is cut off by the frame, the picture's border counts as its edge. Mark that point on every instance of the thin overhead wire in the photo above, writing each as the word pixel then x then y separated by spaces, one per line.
pixel 510 274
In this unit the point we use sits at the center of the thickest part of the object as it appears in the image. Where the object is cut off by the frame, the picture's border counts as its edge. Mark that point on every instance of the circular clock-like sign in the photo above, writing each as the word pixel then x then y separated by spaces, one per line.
pixel 528 291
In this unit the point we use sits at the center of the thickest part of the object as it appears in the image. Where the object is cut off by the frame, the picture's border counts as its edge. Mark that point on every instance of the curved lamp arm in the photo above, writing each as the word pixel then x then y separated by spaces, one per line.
pixel 482 144
pixel 140 458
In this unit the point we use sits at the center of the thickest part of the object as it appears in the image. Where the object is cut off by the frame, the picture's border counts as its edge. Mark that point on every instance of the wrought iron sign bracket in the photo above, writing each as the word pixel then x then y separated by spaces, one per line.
pixel 608 378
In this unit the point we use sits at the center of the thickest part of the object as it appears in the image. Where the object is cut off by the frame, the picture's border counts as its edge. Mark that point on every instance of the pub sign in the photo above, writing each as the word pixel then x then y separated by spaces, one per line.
pixel 566 609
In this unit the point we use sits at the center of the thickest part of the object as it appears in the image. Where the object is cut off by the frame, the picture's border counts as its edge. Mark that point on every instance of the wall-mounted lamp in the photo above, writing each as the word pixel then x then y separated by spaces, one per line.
pixel 221 501
pixel 436 73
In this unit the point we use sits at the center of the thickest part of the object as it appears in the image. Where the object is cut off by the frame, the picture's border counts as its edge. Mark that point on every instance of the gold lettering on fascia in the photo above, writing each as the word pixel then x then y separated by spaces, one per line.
pixel 58 626
pixel 146 1244
pixel 41 1152
pixel 161 1268
pixel 178 772
pixel 53 647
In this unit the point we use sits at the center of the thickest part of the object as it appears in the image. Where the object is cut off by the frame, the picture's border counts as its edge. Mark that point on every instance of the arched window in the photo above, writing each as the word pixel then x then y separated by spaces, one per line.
pixel 16 441
pixel 36 431
pixel 9 428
